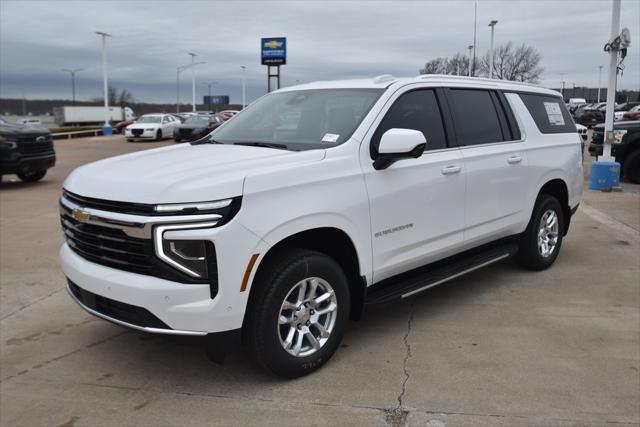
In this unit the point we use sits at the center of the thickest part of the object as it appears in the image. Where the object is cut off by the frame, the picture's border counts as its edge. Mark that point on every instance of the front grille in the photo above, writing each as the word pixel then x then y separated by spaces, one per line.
pixel 124 312
pixel 110 205
pixel 112 247
pixel 597 137
pixel 137 132
pixel 108 246
pixel 35 148
pixel 185 133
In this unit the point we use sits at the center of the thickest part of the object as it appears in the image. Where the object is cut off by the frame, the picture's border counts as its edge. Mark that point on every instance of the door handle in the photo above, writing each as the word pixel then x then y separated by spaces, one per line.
pixel 514 160
pixel 451 169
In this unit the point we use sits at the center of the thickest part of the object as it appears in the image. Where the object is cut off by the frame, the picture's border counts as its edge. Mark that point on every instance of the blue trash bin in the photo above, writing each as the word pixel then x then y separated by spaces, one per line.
pixel 107 130
pixel 604 175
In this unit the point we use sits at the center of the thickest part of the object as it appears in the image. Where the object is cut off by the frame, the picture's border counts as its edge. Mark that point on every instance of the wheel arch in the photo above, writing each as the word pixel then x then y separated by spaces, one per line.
pixel 557 187
pixel 331 241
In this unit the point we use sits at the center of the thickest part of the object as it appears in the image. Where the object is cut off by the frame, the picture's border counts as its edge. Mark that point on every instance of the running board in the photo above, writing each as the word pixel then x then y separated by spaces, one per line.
pixel 419 280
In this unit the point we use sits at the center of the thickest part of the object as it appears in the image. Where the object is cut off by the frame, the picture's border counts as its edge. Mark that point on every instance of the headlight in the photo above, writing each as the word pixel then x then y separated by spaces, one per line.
pixel 198 207
pixel 7 143
pixel 150 130
pixel 192 257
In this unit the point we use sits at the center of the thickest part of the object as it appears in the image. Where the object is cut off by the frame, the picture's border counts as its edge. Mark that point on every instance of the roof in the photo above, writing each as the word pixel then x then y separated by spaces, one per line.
pixel 387 80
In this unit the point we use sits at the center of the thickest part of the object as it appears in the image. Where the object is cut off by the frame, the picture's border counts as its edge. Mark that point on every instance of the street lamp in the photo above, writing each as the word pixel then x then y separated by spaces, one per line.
pixel 210 85
pixel 470 47
pixel 193 81
pixel 492 24
pixel 599 80
pixel 106 129
pixel 73 81
pixel 178 71
pixel 244 86
pixel 562 84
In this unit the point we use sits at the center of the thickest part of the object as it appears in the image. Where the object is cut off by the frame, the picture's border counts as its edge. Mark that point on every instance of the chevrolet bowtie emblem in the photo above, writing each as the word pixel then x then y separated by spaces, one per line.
pixel 80 215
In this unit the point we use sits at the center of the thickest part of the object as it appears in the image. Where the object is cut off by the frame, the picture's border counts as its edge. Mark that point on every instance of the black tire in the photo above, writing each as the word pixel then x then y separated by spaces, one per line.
pixel 159 135
pixel 129 140
pixel 177 140
pixel 529 255
pixel 631 167
pixel 262 332
pixel 32 176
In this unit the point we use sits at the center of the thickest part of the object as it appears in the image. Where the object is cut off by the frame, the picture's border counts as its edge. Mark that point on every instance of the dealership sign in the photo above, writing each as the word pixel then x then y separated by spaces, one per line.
pixel 216 100
pixel 274 50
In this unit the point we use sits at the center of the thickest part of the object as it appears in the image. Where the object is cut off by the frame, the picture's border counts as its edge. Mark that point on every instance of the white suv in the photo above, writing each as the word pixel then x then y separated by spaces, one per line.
pixel 317 201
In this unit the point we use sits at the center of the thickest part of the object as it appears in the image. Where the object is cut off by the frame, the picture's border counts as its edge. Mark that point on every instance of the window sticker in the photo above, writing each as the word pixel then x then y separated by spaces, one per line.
pixel 554 113
pixel 330 137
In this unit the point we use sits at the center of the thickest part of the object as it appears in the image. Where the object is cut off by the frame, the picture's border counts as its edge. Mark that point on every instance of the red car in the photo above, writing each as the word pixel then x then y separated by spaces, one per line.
pixel 633 114
pixel 119 127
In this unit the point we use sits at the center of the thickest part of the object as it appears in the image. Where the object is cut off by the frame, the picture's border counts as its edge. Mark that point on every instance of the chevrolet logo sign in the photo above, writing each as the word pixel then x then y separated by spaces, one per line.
pixel 273 44
pixel 80 215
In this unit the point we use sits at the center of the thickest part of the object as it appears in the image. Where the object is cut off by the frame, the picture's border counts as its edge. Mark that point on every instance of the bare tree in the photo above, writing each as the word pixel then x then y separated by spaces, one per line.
pixel 456 65
pixel 121 98
pixel 520 64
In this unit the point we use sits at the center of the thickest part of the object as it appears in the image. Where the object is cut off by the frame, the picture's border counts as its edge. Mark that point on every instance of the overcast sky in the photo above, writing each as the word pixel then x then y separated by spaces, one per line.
pixel 326 40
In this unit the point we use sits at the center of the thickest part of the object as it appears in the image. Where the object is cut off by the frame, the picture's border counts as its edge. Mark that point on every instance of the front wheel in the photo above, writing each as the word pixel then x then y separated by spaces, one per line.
pixel 159 135
pixel 298 313
pixel 32 176
pixel 541 241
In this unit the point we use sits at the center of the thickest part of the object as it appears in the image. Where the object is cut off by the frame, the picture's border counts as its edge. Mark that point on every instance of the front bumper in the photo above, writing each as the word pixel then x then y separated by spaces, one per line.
pixel 25 164
pixel 186 309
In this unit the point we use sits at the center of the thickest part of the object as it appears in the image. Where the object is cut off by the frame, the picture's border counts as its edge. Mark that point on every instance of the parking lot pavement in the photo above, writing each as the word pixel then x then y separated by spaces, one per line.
pixel 497 347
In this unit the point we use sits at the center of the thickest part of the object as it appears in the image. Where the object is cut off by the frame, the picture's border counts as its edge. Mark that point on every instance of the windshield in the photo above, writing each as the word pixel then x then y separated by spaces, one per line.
pixel 148 119
pixel 198 120
pixel 301 120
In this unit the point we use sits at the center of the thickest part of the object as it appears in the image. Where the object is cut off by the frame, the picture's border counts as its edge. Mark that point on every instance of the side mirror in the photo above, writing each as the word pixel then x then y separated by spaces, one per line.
pixel 396 144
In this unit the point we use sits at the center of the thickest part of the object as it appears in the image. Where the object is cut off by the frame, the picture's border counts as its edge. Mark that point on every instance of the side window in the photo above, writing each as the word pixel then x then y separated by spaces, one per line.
pixel 549 113
pixel 476 117
pixel 418 110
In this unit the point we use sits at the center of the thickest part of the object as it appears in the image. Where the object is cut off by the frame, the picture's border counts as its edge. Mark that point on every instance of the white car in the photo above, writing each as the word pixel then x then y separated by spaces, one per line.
pixel 317 201
pixel 151 126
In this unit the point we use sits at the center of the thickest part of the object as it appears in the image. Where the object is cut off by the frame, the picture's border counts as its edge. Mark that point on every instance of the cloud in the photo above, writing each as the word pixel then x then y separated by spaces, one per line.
pixel 326 40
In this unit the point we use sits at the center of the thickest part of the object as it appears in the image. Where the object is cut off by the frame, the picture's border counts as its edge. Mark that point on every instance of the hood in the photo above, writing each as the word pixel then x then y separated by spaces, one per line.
pixel 629 125
pixel 196 127
pixel 144 125
pixel 21 130
pixel 180 173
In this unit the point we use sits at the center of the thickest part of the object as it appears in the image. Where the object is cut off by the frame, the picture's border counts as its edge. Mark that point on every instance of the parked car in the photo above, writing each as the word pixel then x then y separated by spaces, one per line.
pixel 619 112
pixel 626 151
pixel 119 127
pixel 588 117
pixel 151 126
pixel 30 122
pixel 196 127
pixel 26 151
pixel 227 114
pixel 582 131
pixel 277 234
pixel 577 101
pixel 633 114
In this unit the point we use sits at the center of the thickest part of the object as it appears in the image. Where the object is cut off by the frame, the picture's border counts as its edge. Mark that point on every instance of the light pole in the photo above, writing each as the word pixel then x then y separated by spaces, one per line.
pixel 178 71
pixel 562 84
pixel 106 129
pixel 193 81
pixel 470 47
pixel 73 81
pixel 599 80
pixel 492 24
pixel 210 85
pixel 244 86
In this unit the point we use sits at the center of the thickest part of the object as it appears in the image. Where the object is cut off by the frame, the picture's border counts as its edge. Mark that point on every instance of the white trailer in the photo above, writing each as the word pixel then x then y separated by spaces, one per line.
pixel 90 115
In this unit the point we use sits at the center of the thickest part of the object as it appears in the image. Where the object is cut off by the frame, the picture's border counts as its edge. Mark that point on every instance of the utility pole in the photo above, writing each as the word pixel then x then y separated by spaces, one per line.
pixel 475 27
pixel 193 81
pixel 492 24
pixel 562 84
pixel 244 86
pixel 611 87
pixel 470 47
pixel 73 81
pixel 599 80
pixel 106 129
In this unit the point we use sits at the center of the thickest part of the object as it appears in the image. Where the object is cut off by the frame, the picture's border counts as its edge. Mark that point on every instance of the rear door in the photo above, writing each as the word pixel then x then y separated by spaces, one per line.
pixel 495 162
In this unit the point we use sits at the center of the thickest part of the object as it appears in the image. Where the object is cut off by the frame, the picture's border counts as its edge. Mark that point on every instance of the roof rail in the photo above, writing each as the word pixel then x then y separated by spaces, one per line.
pixel 383 78
pixel 475 79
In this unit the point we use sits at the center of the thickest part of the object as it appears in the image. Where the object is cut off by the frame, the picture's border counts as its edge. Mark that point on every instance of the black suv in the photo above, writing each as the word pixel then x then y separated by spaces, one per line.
pixel 196 127
pixel 626 152
pixel 26 151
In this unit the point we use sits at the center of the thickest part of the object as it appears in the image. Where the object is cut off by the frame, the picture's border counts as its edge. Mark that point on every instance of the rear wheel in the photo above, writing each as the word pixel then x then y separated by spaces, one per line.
pixel 298 313
pixel 541 241
pixel 129 140
pixel 632 167
pixel 32 176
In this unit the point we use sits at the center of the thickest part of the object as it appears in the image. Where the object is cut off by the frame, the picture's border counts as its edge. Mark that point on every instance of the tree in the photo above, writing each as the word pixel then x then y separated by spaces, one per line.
pixel 520 64
pixel 121 98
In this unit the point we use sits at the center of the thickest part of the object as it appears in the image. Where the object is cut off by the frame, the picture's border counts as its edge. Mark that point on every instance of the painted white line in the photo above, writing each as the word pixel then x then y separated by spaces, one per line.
pixel 609 221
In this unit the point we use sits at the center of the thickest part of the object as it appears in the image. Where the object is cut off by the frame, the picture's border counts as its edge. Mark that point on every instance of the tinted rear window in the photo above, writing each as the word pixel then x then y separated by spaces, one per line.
pixel 476 117
pixel 549 113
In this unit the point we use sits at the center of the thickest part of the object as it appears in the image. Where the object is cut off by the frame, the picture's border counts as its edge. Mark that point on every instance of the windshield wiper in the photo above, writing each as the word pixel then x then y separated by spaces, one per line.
pixel 263 144
pixel 205 140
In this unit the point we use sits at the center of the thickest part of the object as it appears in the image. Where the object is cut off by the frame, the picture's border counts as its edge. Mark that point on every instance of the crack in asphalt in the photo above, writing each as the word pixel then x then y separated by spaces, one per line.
pixel 397 416
pixel 6 316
